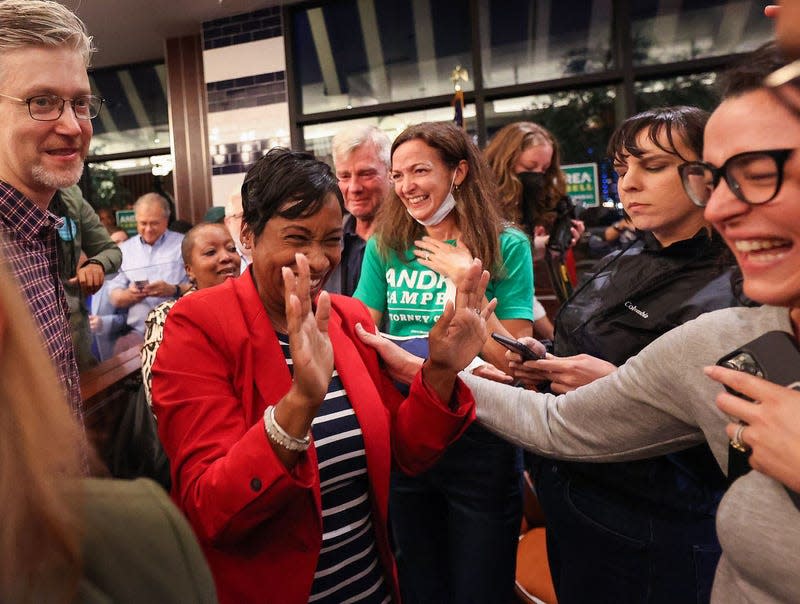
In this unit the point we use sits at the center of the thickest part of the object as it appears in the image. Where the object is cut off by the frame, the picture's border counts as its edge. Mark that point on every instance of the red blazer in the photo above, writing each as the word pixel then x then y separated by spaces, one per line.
pixel 217 369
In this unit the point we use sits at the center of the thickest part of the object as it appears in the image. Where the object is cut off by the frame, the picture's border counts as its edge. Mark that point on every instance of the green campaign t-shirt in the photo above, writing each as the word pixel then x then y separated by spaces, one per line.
pixel 411 297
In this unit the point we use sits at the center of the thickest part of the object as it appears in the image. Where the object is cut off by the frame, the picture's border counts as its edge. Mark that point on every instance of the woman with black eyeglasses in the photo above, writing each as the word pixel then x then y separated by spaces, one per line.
pixel 660 402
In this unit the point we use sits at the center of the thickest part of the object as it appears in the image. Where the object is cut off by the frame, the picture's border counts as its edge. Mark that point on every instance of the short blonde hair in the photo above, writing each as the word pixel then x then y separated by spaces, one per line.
pixel 502 153
pixel 25 23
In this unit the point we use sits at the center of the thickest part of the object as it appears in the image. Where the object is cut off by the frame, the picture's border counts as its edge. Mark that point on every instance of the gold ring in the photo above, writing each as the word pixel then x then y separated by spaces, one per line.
pixel 737 442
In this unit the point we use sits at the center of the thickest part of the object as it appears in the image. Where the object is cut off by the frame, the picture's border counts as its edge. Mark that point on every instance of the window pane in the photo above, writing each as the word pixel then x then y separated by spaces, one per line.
pixel 134 116
pixel 352 54
pixel 580 120
pixel 697 90
pixel 318 137
pixel 117 184
pixel 664 31
pixel 538 40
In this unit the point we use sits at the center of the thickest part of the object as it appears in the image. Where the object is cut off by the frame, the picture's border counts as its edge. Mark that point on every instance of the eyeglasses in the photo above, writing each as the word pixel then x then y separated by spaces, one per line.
pixel 784 83
pixel 49 107
pixel 754 177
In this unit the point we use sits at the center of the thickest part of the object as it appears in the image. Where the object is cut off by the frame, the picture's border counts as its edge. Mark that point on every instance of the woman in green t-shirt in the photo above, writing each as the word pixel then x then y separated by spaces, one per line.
pixel 455 526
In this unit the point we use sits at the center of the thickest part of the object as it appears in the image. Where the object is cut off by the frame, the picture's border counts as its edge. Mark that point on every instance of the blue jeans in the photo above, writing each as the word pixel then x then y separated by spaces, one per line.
pixel 455 527
pixel 604 546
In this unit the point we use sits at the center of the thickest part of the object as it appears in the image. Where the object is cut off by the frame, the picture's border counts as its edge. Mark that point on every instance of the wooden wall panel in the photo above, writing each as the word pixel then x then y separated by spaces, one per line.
pixel 189 127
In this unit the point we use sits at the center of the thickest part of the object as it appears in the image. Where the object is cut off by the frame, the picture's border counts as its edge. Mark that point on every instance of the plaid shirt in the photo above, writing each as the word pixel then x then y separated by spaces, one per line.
pixel 28 242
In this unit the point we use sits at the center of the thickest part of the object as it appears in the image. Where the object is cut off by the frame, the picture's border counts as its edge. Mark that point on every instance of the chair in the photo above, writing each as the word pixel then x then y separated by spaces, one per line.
pixel 533 584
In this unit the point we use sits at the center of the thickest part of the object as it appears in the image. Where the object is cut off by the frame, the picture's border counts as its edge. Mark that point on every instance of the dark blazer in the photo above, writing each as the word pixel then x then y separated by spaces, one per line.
pixel 138 547
pixel 218 367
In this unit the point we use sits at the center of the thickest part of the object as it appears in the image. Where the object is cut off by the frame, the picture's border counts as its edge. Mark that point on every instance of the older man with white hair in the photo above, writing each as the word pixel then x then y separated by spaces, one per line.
pixel 361 159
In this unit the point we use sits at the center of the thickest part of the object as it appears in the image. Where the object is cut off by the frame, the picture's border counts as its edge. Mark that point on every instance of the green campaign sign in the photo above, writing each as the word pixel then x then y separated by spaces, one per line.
pixel 582 184
pixel 126 221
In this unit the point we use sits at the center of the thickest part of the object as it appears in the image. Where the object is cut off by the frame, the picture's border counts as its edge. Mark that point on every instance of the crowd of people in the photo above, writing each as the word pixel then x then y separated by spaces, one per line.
pixel 340 425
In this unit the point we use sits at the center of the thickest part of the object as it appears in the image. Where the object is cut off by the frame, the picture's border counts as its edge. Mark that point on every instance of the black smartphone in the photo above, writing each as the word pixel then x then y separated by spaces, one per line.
pixel 773 356
pixel 526 353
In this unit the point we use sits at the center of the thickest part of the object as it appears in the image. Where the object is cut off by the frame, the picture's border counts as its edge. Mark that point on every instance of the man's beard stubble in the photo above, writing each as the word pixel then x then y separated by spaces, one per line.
pixel 57 179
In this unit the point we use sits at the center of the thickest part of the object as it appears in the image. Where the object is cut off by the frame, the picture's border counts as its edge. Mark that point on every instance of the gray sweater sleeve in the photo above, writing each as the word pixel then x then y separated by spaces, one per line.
pixel 658 402
pixel 618 417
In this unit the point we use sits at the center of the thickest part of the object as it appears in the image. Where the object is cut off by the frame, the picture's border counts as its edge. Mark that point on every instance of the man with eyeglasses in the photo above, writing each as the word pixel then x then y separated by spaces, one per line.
pixel 46 107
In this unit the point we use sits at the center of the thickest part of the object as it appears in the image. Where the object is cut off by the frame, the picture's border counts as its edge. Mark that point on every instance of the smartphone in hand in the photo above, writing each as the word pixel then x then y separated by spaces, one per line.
pixel 513 345
pixel 773 356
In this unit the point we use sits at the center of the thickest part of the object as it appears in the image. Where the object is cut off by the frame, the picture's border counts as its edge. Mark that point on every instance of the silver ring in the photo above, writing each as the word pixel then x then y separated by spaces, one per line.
pixel 427 256
pixel 477 311
pixel 737 442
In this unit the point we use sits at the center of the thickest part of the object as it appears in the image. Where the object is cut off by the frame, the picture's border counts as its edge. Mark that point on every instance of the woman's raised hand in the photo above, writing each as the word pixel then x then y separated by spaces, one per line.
pixel 459 334
pixel 310 346
pixel 448 260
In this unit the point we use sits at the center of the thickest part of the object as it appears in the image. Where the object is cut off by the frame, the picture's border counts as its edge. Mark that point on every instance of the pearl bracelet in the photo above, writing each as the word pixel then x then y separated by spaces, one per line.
pixel 279 436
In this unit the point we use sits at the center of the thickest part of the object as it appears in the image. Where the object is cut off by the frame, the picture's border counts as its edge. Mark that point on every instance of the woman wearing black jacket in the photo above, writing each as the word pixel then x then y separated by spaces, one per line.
pixel 637 531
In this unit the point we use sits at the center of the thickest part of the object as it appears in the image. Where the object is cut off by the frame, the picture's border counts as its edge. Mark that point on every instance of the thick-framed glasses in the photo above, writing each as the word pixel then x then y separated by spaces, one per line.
pixel 754 177
pixel 49 107
pixel 784 83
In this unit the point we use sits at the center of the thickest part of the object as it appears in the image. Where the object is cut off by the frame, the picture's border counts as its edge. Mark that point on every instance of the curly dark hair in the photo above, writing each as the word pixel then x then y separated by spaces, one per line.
pixel 286 183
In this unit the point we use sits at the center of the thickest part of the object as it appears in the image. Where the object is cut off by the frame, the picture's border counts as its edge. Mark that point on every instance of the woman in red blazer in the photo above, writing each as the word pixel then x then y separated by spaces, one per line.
pixel 279 423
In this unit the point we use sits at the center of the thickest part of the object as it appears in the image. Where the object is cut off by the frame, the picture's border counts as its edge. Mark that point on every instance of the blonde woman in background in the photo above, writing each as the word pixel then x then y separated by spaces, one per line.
pixel 526 161
pixel 455 525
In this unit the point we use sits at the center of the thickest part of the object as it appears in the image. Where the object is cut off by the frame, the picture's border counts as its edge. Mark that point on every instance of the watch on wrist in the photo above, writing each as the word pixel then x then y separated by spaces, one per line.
pixel 177 290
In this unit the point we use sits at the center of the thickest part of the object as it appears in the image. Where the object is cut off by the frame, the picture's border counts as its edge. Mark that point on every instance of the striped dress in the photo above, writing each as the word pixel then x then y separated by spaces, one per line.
pixel 349 568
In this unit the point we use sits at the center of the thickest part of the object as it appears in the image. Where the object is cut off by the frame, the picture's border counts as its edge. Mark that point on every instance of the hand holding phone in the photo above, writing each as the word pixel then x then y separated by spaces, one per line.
pixel 773 356
pixel 513 345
